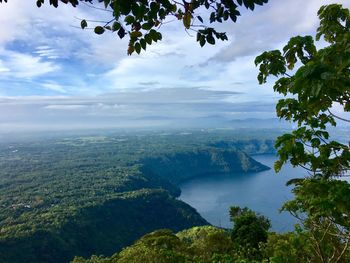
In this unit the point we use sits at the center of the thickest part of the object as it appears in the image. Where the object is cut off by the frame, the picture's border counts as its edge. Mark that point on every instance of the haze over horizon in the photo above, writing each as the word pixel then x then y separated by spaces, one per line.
pixel 55 76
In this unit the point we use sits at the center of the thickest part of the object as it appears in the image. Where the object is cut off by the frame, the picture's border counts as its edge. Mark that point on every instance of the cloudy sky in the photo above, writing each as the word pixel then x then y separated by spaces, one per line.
pixel 54 75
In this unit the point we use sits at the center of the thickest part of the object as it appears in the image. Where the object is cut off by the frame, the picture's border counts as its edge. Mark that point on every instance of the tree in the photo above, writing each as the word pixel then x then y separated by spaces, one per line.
pixel 249 231
pixel 321 202
pixel 291 247
pixel 207 242
pixel 199 244
pixel 160 246
pixel 323 208
pixel 322 80
pixel 142 19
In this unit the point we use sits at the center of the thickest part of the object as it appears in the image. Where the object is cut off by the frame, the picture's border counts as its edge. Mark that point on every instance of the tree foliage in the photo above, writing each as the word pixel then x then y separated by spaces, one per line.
pixel 205 244
pixel 141 20
pixel 292 247
pixel 80 195
pixel 323 208
pixel 321 81
pixel 249 231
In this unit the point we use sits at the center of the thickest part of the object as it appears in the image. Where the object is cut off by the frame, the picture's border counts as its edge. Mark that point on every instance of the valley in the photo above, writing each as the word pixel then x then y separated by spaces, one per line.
pixel 81 195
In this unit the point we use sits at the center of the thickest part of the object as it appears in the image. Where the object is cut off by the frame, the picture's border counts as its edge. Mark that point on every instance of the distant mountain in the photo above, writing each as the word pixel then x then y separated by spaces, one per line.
pixel 270 123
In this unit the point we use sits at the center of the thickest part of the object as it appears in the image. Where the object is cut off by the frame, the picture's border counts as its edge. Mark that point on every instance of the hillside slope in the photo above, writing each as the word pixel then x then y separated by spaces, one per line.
pixel 102 228
pixel 95 195
pixel 183 165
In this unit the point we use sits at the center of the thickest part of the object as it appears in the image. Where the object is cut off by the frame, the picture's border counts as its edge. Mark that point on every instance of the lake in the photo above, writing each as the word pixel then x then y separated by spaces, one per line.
pixel 263 192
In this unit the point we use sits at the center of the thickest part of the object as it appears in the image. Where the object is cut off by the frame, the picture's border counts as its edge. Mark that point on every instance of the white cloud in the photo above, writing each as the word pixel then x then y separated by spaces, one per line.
pixel 163 107
pixel 3 68
pixel 56 29
pixel 65 107
pixel 24 66
pixel 46 52
pixel 54 87
pixel 41 48
pixel 271 26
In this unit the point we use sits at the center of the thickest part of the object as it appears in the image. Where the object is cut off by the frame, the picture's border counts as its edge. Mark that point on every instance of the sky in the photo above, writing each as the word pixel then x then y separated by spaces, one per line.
pixel 55 76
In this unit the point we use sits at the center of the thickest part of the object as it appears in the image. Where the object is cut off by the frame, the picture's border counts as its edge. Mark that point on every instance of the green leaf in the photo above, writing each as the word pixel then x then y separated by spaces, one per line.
pixel 129 19
pixel 125 6
pixel 121 32
pixel 162 13
pixel 131 49
pixel 99 30
pixel 198 36
pixel 173 8
pixel 116 26
pixel 138 48
pixel 147 26
pixel 136 10
pixel 148 39
pixel 53 2
pixel 210 39
pixel 202 41
pixel 106 2
pixel 212 17
pixel 153 34
pixel 135 34
pixel 249 4
pixel 143 43
pixel 83 24
pixel 187 20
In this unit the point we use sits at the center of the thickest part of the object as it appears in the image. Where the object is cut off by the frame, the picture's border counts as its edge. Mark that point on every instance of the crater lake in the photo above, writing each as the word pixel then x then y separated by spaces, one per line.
pixel 264 192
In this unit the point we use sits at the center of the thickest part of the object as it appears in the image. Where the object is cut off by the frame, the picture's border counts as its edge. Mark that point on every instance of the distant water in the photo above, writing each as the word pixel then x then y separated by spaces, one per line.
pixel 263 192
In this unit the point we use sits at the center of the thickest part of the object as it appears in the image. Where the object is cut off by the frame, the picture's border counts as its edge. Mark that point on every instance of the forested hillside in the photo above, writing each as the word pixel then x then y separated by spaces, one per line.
pixel 100 228
pixel 198 244
pixel 183 165
pixel 63 197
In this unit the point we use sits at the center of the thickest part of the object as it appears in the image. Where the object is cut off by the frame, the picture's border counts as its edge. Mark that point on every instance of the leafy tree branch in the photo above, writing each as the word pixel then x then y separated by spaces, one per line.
pixel 141 20
pixel 322 80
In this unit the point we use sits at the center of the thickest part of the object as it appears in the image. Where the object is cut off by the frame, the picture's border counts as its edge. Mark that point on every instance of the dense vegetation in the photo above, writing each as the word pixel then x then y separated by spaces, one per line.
pixel 184 165
pixel 321 200
pixel 248 241
pixel 198 244
pixel 99 228
pixel 69 196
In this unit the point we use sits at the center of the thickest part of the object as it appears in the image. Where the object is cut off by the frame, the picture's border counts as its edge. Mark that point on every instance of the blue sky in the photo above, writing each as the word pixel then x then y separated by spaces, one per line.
pixel 53 74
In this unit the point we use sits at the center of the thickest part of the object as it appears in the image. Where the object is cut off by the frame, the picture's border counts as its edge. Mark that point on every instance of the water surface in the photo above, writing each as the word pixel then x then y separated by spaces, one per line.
pixel 264 192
